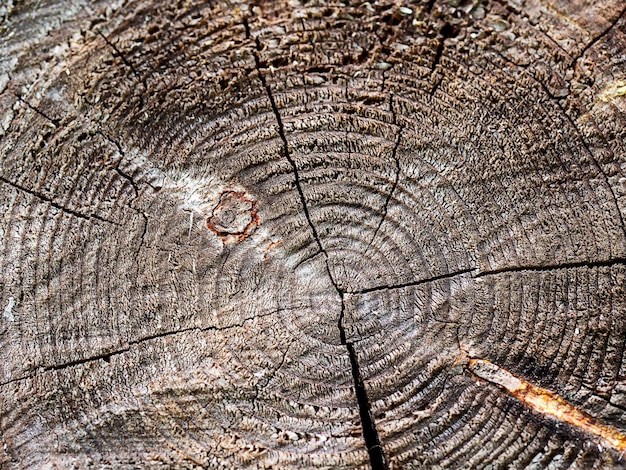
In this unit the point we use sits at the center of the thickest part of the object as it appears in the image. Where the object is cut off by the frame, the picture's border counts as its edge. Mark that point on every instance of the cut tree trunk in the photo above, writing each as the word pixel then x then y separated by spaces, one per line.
pixel 311 235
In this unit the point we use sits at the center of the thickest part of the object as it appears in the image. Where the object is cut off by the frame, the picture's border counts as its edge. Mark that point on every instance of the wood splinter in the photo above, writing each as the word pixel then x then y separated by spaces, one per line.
pixel 546 402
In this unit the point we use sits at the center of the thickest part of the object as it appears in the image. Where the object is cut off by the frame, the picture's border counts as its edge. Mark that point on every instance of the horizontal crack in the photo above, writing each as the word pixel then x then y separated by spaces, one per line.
pixel 553 267
pixel 413 283
pixel 56 205
pixel 107 356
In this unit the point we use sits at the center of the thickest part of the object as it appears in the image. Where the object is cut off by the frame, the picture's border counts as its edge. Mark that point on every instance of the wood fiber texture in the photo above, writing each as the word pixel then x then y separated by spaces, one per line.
pixel 274 235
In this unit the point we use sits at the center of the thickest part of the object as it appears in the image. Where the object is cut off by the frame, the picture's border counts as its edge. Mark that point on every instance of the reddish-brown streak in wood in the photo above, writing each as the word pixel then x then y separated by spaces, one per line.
pixel 269 246
pixel 238 233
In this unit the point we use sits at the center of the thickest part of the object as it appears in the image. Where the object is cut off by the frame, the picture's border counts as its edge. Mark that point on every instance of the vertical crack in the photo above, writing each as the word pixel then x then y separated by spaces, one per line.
pixel 370 433
pixel 396 177
pixel 283 138
pixel 447 31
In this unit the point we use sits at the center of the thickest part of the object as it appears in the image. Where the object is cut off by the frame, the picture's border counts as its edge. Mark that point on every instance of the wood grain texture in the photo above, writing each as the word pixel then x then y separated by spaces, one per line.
pixel 275 234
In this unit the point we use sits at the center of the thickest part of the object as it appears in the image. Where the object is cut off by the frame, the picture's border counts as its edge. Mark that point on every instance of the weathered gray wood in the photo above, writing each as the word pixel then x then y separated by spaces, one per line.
pixel 273 235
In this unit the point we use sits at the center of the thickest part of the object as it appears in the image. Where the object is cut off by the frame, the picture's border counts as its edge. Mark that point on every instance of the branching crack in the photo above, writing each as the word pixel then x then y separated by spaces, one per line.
pixel 135 187
pixel 130 180
pixel 56 205
pixel 370 434
pixel 134 184
pixel 576 264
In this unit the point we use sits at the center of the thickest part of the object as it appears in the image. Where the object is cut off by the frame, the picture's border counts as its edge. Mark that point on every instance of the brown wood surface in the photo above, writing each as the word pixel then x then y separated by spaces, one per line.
pixel 276 235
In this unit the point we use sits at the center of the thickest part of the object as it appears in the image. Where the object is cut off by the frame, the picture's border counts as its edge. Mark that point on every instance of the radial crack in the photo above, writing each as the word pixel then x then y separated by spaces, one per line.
pixel 597 38
pixel 590 153
pixel 577 264
pixel 414 283
pixel 447 31
pixel 283 137
pixel 55 122
pixel 106 356
pixel 128 64
pixel 370 433
pixel 56 205
pixel 396 177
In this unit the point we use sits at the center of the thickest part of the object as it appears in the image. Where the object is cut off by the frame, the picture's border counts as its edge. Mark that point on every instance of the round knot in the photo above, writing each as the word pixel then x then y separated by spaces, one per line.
pixel 235 215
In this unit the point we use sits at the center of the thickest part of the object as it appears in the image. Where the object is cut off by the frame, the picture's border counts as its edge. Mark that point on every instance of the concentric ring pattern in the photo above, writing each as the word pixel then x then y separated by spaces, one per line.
pixel 273 235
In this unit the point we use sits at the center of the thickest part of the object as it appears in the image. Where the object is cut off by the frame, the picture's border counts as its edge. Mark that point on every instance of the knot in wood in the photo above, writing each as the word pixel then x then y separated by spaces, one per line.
pixel 235 215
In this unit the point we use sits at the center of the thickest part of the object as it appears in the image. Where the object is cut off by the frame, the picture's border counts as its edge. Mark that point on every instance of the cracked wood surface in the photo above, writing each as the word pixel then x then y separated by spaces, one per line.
pixel 312 235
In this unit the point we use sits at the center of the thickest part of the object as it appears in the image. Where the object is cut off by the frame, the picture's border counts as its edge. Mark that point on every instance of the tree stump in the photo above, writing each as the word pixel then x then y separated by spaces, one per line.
pixel 310 235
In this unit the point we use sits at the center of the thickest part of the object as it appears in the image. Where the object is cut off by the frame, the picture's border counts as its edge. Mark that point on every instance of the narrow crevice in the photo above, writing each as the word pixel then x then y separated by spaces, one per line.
pixel 108 355
pixel 447 31
pixel 370 433
pixel 553 267
pixel 128 64
pixel 55 122
pixel 16 379
pixel 395 158
pixel 119 54
pixel 593 159
pixel 55 204
pixel 283 138
pixel 142 237
pixel 438 54
pixel 597 38
pixel 435 87
pixel 105 357
pixel 414 283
